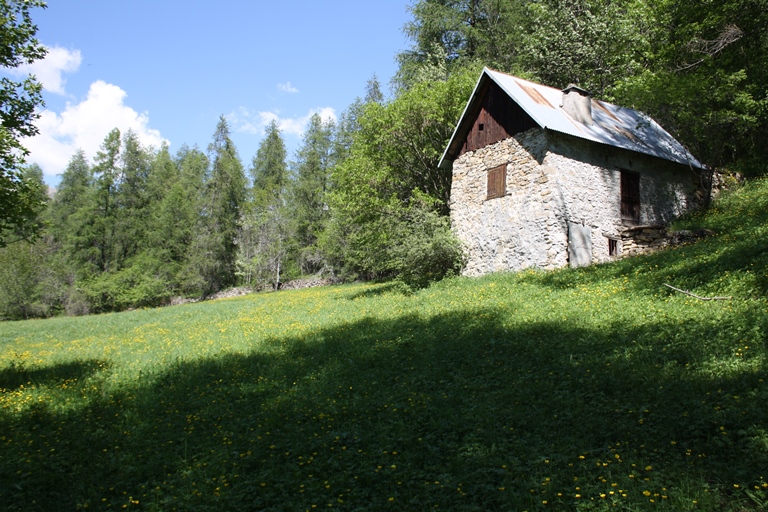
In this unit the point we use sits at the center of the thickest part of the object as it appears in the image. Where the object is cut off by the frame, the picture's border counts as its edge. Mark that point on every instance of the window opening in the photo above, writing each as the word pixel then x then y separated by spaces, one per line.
pixel 630 197
pixel 613 247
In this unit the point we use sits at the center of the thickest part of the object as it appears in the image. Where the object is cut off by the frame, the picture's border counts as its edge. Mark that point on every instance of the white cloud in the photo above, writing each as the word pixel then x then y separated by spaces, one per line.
pixel 246 121
pixel 84 126
pixel 50 70
pixel 287 87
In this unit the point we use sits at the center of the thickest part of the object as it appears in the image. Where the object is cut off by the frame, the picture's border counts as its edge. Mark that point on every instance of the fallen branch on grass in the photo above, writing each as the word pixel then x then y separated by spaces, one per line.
pixel 696 296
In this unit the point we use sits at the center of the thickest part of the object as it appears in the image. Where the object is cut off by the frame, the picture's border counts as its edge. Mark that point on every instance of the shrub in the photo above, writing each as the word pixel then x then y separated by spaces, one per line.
pixel 21 265
pixel 145 283
pixel 424 249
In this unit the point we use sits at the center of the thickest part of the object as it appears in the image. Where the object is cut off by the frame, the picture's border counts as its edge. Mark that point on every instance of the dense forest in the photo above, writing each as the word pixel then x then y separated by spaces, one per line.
pixel 363 198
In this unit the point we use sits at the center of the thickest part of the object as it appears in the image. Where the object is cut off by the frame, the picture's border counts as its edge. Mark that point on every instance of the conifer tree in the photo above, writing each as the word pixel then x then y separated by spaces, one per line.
pixel 107 173
pixel 185 212
pixel 309 202
pixel 166 225
pixel 225 193
pixel 264 239
pixel 131 198
pixel 76 182
pixel 269 170
pixel 71 217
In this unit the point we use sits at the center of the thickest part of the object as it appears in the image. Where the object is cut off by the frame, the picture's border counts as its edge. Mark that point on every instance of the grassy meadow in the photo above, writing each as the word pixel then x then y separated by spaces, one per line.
pixel 588 389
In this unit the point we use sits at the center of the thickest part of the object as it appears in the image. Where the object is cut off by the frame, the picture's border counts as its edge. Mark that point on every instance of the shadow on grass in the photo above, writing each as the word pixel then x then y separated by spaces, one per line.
pixel 382 289
pixel 453 412
pixel 18 374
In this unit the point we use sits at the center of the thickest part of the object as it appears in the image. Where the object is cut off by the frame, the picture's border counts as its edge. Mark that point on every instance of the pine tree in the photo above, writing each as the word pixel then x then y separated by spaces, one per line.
pixel 71 218
pixel 225 193
pixel 308 202
pixel 76 182
pixel 131 198
pixel 264 238
pixel 269 170
pixel 373 92
pixel 166 227
pixel 107 173
pixel 186 216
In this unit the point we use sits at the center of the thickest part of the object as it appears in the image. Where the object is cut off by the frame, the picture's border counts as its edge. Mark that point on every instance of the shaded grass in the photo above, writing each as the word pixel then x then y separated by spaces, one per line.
pixel 594 388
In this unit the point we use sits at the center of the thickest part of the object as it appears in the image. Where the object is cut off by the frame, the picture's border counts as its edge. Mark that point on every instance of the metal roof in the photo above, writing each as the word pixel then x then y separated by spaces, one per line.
pixel 612 125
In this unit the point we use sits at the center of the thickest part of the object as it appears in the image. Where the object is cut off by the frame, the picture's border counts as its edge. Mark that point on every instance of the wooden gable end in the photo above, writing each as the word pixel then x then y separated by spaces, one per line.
pixel 498 118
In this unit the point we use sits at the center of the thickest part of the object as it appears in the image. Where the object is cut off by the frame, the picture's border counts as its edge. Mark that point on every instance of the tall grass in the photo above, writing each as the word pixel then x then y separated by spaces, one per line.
pixel 595 388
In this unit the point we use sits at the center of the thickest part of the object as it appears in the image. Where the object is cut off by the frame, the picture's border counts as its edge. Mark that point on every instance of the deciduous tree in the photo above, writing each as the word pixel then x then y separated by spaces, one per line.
pixel 706 79
pixel 23 266
pixel 391 177
pixel 18 103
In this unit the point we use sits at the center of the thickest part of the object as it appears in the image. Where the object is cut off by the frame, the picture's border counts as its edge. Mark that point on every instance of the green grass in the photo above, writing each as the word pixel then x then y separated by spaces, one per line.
pixel 588 389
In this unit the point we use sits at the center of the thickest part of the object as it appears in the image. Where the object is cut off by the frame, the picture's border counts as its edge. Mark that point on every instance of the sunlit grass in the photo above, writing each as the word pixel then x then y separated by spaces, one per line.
pixel 595 388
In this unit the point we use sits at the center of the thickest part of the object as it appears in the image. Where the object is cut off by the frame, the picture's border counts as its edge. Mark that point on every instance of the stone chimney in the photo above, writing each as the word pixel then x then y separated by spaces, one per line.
pixel 577 103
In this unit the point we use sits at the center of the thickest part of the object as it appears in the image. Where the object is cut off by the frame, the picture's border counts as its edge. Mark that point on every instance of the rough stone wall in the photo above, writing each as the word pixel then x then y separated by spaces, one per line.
pixel 298 284
pixel 649 239
pixel 554 179
pixel 516 231
pixel 643 240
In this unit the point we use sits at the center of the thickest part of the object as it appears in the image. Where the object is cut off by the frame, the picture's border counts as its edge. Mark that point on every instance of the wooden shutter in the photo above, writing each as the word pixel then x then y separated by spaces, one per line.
pixel 630 197
pixel 497 182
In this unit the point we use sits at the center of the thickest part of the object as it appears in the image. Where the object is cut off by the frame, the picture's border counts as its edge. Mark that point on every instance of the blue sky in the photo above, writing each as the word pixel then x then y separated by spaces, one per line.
pixel 169 68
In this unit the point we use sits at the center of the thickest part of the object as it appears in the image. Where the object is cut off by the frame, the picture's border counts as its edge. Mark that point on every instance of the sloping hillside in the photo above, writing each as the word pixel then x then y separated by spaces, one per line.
pixel 596 388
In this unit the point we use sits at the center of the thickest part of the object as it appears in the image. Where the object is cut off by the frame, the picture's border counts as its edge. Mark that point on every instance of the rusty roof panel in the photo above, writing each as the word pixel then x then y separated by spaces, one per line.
pixel 535 95
pixel 599 104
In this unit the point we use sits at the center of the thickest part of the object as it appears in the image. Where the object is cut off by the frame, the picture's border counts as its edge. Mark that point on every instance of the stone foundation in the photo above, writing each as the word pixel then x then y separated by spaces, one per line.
pixel 649 239
pixel 643 240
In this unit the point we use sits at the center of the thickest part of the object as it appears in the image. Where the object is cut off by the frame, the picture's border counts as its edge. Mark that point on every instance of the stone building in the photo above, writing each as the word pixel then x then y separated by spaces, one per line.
pixel 546 178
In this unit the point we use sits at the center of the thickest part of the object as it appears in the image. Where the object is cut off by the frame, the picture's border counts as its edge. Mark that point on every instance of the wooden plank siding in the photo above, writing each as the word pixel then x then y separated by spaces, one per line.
pixel 499 118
